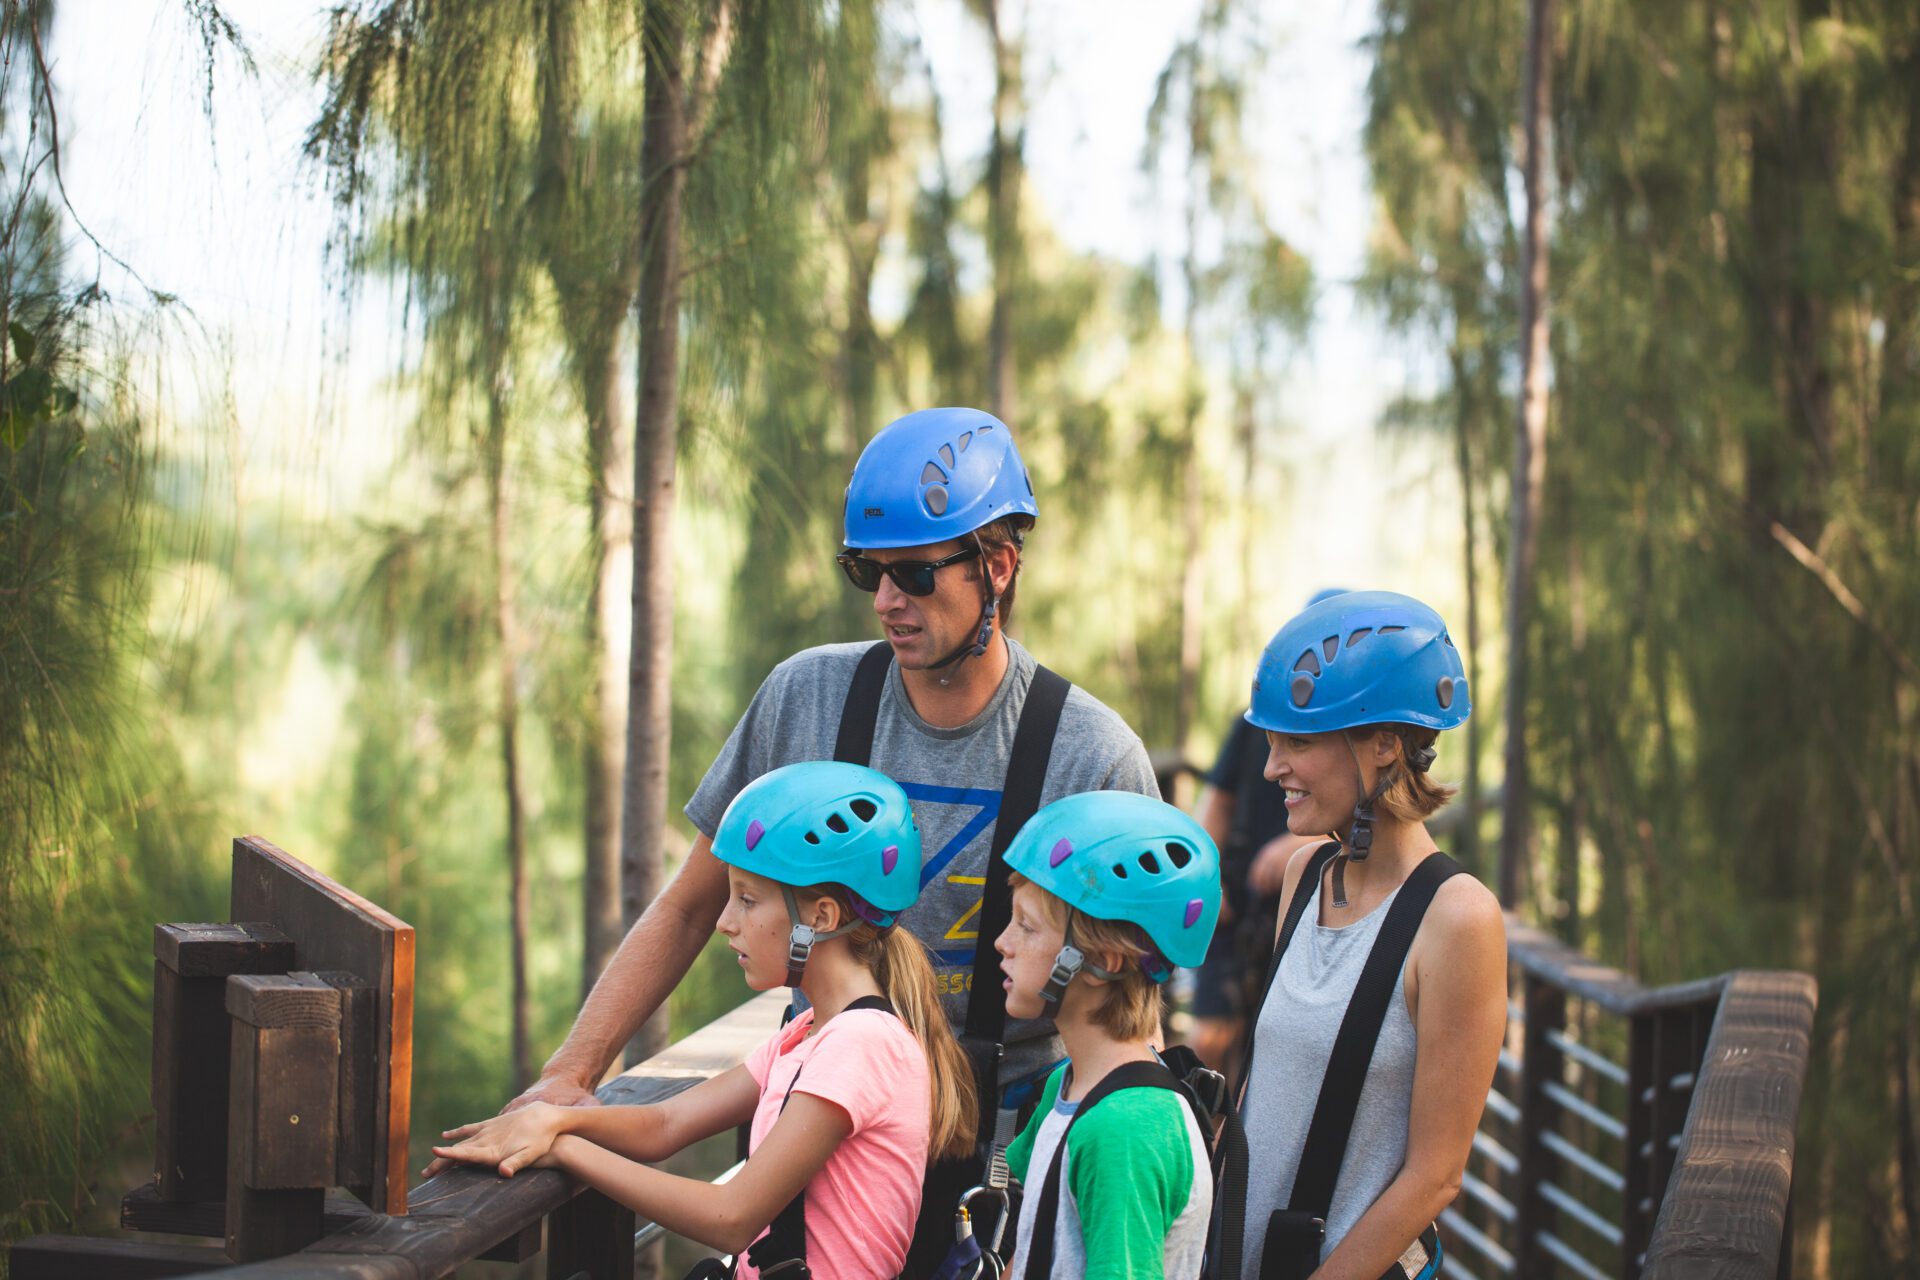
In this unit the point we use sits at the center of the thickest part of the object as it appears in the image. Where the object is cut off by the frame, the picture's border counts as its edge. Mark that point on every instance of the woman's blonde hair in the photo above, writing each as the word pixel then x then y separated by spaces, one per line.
pixel 899 964
pixel 1410 795
pixel 1130 1008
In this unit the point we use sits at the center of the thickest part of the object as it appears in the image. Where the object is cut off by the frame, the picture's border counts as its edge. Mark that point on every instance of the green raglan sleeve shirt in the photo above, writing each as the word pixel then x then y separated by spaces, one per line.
pixel 1020 1150
pixel 1130 1166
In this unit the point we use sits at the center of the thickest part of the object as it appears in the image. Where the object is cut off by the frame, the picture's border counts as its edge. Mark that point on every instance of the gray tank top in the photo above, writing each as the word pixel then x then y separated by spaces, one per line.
pixel 1295 1037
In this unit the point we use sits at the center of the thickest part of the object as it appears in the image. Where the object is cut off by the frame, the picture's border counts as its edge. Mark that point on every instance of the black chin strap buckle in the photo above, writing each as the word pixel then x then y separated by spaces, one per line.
pixel 1067 964
pixel 799 947
pixel 1360 843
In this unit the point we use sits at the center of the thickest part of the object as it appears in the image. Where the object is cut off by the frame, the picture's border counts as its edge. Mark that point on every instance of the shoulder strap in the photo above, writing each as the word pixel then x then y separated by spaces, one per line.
pixel 1129 1075
pixel 1353 1048
pixel 986 1019
pixel 861 711
pixel 785 1242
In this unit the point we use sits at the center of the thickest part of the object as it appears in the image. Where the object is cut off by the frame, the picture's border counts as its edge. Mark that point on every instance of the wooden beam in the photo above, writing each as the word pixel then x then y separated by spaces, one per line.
pixel 191 964
pixel 1726 1209
pixel 142 1209
pixel 105 1258
pixel 280 1120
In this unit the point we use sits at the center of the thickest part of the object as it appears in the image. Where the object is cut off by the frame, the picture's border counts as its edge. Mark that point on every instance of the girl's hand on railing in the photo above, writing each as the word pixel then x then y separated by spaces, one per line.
pixel 512 1142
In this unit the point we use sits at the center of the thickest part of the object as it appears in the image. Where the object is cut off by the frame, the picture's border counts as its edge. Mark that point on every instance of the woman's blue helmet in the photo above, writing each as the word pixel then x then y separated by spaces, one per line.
pixel 934 475
pixel 825 822
pixel 1360 658
pixel 1115 855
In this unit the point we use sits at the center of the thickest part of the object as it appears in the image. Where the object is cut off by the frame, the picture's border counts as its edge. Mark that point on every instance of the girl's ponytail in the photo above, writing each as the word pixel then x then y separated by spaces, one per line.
pixel 899 963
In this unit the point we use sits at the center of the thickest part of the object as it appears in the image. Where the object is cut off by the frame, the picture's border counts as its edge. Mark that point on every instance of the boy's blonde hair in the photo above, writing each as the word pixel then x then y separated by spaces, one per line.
pixel 1129 1008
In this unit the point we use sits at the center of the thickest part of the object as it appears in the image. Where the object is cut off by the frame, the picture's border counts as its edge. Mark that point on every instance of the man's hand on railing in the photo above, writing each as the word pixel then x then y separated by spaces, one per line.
pixel 556 1091
pixel 520 1140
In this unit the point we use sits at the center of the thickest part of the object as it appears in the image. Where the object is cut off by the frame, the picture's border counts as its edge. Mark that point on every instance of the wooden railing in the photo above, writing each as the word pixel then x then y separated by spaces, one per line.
pixel 469 1213
pixel 1632 1131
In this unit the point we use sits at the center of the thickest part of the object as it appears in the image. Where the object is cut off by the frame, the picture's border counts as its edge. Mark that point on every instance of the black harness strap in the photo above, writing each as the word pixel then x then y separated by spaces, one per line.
pixel 861 712
pixel 1128 1075
pixel 782 1251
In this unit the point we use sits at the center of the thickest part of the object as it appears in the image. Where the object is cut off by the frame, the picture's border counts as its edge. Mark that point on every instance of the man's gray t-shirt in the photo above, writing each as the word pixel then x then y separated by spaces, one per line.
pixel 954 778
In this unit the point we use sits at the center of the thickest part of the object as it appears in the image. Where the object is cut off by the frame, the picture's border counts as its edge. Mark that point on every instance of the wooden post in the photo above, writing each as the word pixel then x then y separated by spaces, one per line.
pixel 280 1121
pixel 1674 1055
pixel 1540 1065
pixel 590 1236
pixel 1637 1204
pixel 191 965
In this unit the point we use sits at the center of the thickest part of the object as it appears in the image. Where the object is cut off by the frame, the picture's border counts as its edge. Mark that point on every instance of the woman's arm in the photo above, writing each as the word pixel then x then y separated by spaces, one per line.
pixel 728 1217
pixel 521 1138
pixel 1460 966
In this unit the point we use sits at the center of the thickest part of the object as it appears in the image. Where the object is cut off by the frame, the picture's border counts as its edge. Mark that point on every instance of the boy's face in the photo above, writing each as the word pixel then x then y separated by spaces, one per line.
pixel 755 925
pixel 1027 949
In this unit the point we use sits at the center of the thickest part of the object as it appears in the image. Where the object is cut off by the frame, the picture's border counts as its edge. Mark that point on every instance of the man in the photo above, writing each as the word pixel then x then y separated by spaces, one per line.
pixel 935 517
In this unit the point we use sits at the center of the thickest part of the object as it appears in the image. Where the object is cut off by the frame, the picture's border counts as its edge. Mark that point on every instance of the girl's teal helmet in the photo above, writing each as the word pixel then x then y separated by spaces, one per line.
pixel 1114 855
pixel 824 822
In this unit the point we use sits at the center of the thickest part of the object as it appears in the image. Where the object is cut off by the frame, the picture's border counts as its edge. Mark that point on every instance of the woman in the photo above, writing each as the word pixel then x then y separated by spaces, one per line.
pixel 1352 694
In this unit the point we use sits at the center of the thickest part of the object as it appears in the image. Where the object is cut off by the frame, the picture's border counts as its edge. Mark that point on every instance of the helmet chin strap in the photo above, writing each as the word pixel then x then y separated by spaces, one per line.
pixel 801 937
pixel 976 647
pixel 1359 841
pixel 1067 965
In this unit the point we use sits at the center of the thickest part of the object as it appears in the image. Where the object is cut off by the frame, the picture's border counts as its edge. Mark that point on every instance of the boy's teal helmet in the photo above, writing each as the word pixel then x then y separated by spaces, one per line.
pixel 1114 855
pixel 824 822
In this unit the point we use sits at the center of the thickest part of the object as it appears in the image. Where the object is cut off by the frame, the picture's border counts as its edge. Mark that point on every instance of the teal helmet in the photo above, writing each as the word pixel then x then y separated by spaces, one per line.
pixel 824 822
pixel 1114 855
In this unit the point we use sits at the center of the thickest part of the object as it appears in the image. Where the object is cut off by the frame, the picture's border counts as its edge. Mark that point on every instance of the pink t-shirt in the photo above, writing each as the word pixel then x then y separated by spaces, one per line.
pixel 862 1205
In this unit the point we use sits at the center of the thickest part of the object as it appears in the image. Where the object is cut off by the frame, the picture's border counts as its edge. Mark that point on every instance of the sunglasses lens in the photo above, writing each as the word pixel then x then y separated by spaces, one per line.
pixel 913 577
pixel 862 572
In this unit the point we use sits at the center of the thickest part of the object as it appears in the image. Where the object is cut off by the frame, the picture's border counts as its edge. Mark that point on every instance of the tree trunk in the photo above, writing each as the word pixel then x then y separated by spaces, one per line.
pixel 1004 166
pixel 1463 405
pixel 609 623
pixel 1529 456
pixel 507 622
pixel 1192 489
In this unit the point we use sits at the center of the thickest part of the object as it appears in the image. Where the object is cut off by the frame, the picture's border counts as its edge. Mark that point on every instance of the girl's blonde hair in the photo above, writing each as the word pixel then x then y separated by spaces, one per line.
pixel 899 964
pixel 1131 1006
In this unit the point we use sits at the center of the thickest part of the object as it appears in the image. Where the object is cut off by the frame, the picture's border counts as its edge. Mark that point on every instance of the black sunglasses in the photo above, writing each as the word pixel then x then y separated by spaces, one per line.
pixel 915 577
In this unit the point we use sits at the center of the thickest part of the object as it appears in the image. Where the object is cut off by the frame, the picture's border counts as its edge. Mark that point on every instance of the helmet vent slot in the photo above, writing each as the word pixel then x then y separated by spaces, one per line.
pixel 932 474
pixel 966 438
pixel 1387 631
pixel 1358 636
pixel 1120 869
pixel 946 456
pixel 1309 663
pixel 813 837
pixel 863 808
pixel 1330 646
pixel 1149 863
pixel 1179 855
pixel 837 824
pixel 984 428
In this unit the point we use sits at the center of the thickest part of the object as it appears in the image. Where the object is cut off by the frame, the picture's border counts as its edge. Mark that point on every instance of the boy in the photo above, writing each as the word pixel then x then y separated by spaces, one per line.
pixel 1111 891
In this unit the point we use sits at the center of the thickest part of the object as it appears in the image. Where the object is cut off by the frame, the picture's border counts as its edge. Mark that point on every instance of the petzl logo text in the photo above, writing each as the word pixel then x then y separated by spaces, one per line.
pixel 873 513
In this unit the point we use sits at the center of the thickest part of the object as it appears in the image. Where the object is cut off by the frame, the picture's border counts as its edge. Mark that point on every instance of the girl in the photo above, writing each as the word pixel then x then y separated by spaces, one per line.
pixel 1386 1003
pixel 848 1101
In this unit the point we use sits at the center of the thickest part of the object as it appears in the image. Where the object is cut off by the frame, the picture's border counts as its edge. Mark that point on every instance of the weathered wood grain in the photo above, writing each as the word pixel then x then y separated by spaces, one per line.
pixel 335 929
pixel 1726 1208
pixel 142 1209
pixel 280 1118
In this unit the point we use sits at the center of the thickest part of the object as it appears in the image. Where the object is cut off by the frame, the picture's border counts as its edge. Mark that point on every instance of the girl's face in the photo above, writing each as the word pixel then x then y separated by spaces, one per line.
pixel 1317 772
pixel 1027 949
pixel 755 925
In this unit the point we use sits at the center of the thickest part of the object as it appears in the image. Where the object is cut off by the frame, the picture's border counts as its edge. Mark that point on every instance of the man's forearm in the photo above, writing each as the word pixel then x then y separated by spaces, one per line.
pixel 652 959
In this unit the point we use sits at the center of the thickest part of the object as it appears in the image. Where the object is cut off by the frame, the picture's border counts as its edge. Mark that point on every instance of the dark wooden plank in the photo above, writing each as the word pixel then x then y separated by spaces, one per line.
pixel 189 1080
pixel 335 929
pixel 222 949
pixel 105 1258
pixel 519 1246
pixel 280 1123
pixel 142 1209
pixel 1725 1213
pixel 590 1237
pixel 1545 1004
pixel 1546 957
pixel 1637 1203
pixel 357 1103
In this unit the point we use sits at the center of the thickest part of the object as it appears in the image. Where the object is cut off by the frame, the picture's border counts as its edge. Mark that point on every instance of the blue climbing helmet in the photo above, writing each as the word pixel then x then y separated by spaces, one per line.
pixel 934 475
pixel 1360 658
pixel 1115 855
pixel 825 822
